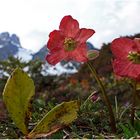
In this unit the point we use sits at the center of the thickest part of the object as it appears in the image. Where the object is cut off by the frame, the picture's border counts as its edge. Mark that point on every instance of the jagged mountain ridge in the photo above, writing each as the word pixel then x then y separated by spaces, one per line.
pixel 6 43
pixel 43 52
pixel 10 46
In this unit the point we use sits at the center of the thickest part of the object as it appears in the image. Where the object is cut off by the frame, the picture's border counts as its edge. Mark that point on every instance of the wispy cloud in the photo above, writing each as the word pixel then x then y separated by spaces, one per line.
pixel 32 20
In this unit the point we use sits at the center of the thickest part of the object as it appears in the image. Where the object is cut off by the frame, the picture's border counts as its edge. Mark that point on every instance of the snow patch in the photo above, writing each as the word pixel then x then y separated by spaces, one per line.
pixel 1 46
pixel 23 54
pixel 58 69
pixel 15 44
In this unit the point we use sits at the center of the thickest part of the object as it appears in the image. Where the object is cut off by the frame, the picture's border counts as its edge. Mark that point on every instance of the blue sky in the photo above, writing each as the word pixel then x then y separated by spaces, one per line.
pixel 33 20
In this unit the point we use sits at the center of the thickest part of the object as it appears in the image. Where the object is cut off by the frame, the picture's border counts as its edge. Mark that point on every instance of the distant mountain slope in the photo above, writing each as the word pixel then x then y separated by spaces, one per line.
pixel 10 46
pixel 7 45
pixel 41 54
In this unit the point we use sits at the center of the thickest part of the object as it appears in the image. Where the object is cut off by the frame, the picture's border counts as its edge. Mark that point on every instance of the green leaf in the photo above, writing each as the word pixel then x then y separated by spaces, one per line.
pixel 128 130
pixel 17 94
pixel 60 116
pixel 137 126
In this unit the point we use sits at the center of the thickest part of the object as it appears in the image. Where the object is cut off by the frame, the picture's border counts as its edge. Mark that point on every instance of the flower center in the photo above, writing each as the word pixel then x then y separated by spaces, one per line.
pixel 134 57
pixel 69 44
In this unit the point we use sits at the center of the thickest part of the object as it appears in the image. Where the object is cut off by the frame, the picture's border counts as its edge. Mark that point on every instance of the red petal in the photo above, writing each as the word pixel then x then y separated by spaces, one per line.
pixel 137 41
pixel 126 69
pixel 56 57
pixel 69 26
pixel 55 41
pixel 121 47
pixel 80 53
pixel 84 34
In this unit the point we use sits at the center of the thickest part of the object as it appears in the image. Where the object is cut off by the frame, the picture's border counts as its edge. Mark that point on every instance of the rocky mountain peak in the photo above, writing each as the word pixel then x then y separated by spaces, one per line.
pixel 9 45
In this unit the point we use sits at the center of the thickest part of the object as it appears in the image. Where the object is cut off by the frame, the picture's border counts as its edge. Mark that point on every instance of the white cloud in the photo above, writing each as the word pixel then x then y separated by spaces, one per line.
pixel 32 20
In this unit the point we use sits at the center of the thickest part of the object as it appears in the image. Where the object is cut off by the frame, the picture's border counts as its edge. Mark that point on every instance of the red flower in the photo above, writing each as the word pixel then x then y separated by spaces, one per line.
pixel 69 42
pixel 127 57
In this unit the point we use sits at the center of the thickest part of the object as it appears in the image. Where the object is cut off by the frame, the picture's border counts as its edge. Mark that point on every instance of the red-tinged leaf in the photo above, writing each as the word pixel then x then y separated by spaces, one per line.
pixel 60 116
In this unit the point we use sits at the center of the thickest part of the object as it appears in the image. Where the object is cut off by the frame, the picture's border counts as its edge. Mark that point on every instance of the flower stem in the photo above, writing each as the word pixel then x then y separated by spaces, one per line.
pixel 104 97
pixel 133 103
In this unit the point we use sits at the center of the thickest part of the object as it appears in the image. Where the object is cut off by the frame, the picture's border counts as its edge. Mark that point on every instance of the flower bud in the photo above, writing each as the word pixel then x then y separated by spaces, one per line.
pixel 95 96
pixel 137 41
pixel 92 54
